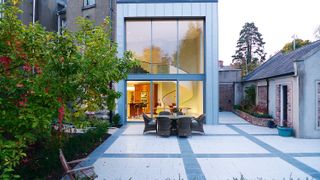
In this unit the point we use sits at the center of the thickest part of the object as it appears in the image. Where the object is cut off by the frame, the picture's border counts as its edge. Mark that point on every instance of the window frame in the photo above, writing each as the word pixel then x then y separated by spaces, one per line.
pixel 317 94
pixel 178 19
pixel 86 3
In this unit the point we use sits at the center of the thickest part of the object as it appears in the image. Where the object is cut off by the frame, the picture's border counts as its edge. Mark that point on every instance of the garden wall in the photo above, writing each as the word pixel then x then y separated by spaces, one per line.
pixel 251 119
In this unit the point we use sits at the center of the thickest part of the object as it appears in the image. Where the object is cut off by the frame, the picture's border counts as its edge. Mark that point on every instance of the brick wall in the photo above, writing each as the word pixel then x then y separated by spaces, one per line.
pixel 263 96
pixel 226 97
pixel 278 108
pixel 253 120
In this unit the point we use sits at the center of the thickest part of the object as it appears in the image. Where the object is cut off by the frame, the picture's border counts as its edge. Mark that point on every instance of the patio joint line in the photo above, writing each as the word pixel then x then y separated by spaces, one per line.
pixel 191 165
pixel 99 151
pixel 286 157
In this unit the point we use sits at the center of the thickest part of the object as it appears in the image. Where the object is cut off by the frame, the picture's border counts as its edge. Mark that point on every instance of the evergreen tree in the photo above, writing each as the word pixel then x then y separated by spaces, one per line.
pixel 250 49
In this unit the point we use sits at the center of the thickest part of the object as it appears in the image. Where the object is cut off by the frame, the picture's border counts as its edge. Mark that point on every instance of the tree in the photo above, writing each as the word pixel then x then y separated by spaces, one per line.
pixel 250 49
pixel 290 46
pixel 41 73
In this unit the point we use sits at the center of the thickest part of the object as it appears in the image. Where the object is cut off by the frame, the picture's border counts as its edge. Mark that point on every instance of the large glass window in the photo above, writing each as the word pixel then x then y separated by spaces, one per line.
pixel 191 97
pixel 152 97
pixel 191 49
pixel 138 36
pixel 167 46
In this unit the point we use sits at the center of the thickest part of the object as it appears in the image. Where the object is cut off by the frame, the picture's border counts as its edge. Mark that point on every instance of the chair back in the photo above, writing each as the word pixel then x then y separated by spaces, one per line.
pixel 164 126
pixel 164 113
pixel 65 165
pixel 184 126
pixel 146 119
pixel 202 119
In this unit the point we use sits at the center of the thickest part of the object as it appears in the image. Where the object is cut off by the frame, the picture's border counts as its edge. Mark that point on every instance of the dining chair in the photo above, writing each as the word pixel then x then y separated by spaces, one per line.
pixel 149 124
pixel 197 124
pixel 164 113
pixel 184 126
pixel 164 126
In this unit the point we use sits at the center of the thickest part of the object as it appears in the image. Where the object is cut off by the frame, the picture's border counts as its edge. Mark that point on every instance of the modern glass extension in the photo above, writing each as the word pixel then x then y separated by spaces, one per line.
pixel 171 71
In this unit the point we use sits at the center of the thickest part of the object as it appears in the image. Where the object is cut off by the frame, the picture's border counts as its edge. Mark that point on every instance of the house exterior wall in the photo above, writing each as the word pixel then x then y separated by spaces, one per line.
pixel 97 12
pixel 205 9
pixel 293 100
pixel 229 89
pixel 308 72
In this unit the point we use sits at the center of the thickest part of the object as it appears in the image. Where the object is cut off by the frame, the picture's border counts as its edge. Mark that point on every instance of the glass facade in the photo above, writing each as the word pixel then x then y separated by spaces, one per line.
pixel 167 46
pixel 152 97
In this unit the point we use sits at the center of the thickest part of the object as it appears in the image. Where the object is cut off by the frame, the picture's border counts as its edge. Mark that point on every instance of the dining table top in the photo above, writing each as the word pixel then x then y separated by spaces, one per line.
pixel 175 117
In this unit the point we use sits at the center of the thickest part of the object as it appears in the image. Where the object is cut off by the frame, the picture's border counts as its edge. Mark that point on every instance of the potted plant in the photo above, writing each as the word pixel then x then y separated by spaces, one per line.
pixel 284 130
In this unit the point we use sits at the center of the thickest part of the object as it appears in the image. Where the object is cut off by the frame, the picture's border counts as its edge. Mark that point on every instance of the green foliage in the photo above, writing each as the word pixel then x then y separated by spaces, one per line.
pixel 250 49
pixel 250 95
pixel 41 72
pixel 116 120
pixel 288 47
pixel 43 157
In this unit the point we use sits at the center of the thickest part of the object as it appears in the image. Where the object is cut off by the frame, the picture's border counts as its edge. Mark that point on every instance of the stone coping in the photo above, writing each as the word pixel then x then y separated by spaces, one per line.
pixel 252 119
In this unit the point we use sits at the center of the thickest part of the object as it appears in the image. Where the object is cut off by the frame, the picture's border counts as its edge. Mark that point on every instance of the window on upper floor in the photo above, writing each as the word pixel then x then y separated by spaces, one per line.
pixel 1 2
pixel 318 104
pixel 171 46
pixel 88 2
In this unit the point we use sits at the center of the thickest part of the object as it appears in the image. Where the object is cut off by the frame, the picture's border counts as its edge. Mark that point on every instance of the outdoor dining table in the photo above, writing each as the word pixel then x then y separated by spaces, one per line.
pixel 174 119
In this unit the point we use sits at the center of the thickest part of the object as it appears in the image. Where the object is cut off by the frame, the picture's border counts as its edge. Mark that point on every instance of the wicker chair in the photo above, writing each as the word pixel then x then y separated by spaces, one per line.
pixel 164 126
pixel 197 124
pixel 149 124
pixel 164 113
pixel 184 126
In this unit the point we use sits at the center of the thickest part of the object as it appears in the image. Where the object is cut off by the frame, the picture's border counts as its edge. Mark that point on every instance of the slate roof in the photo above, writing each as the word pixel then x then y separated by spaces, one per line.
pixel 280 64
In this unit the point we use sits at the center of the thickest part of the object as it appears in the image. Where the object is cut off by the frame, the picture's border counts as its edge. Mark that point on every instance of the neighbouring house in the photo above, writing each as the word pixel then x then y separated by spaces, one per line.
pixel 288 86
pixel 41 11
pixel 229 87
pixel 96 10
pixel 176 43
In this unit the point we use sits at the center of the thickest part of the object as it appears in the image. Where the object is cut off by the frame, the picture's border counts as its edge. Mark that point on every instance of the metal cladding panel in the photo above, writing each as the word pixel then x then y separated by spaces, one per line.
pixel 166 1
pixel 173 9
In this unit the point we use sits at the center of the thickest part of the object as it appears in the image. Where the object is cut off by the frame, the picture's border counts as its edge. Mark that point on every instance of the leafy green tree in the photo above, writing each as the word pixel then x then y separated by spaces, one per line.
pixel 288 47
pixel 42 72
pixel 250 49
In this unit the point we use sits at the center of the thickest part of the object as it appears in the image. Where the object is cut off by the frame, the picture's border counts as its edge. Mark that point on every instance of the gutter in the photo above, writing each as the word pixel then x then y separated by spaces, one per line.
pixel 281 75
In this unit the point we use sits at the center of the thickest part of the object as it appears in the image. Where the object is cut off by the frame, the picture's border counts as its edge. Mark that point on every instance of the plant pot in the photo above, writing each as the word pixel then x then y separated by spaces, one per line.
pixel 285 131
pixel 271 124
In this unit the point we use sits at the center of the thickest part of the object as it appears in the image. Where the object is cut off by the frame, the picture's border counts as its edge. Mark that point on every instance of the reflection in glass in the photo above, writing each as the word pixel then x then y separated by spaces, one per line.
pixel 191 97
pixel 165 93
pixel 164 47
pixel 138 99
pixel 191 49
pixel 138 40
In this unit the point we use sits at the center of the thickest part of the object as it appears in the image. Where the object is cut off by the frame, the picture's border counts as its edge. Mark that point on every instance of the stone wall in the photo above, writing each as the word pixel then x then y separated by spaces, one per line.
pixel 253 120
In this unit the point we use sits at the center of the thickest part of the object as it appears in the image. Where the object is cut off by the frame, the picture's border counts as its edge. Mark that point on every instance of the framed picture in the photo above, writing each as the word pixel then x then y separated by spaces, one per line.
pixel 144 97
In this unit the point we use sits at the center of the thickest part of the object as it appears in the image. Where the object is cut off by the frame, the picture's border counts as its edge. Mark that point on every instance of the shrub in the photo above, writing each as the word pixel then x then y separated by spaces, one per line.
pixel 43 157
pixel 116 120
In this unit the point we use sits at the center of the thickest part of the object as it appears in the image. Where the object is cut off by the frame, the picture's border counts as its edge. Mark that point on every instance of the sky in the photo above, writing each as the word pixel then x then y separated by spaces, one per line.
pixel 277 21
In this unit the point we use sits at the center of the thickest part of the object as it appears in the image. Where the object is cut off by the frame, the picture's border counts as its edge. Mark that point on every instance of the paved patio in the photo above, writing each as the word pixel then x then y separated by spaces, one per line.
pixel 226 151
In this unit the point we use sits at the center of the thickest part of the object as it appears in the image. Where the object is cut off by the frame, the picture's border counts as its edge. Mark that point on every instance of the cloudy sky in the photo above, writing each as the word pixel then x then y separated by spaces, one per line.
pixel 277 21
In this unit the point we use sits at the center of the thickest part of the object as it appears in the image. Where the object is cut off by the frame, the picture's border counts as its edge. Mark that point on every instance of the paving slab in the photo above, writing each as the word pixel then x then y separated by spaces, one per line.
pixel 250 168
